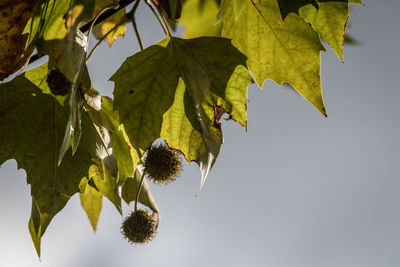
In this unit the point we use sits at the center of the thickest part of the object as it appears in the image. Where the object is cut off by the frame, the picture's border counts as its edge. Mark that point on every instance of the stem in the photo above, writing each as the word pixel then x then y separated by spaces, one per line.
pixel 140 187
pixel 93 22
pixel 166 25
pixel 131 15
pixel 84 28
pixel 102 39
pixel 158 18
pixel 137 34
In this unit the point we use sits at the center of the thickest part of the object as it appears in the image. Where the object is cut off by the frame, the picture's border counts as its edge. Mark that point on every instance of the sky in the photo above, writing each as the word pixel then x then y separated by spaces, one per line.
pixel 295 190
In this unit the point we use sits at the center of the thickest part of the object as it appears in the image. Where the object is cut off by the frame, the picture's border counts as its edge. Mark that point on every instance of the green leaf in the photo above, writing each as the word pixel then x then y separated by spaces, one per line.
pixel 91 201
pixel 329 21
pixel 198 18
pixel 121 144
pixel 32 136
pixel 174 91
pixel 105 118
pixel 72 65
pixel 99 144
pixel 284 51
pixel 130 188
pixel 106 184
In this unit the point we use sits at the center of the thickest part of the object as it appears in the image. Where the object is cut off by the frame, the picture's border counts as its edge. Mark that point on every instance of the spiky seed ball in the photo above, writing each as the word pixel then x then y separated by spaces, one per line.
pixel 139 227
pixel 58 83
pixel 162 164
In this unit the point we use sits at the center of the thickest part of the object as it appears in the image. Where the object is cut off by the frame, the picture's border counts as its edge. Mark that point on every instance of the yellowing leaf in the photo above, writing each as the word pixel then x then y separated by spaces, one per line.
pixel 14 14
pixel 173 90
pixel 91 201
pixel 282 50
pixel 113 27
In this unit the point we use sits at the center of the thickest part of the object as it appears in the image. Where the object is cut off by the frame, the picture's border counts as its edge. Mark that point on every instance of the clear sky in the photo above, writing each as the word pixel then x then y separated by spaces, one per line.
pixel 296 190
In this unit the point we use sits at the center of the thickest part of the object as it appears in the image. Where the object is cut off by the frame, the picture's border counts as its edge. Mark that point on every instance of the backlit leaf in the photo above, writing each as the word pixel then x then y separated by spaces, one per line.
pixel 284 51
pixel 106 184
pixel 173 90
pixel 198 18
pixel 91 201
pixel 33 124
pixel 329 20
pixel 112 28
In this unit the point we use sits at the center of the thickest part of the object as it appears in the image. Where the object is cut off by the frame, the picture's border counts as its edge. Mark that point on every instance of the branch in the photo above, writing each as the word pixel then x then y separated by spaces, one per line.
pixel 100 19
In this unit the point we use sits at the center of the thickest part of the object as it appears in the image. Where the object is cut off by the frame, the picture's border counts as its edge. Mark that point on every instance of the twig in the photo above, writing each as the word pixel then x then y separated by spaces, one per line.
pixel 100 19
pixel 155 14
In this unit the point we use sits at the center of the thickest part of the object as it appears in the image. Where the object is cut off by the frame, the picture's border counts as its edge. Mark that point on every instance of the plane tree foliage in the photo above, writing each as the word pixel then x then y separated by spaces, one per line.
pixel 70 139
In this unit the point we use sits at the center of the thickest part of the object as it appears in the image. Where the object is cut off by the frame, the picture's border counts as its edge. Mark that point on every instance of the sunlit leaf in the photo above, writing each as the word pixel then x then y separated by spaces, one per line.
pixel 198 18
pixel 106 184
pixel 173 90
pixel 284 51
pixel 91 201
pixel 329 20
pixel 106 121
pixel 112 28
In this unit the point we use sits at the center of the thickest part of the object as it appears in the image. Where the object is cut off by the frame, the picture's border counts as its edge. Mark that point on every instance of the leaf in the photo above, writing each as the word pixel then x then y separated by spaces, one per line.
pixel 52 19
pixel 172 90
pixel 172 8
pixel 289 6
pixel 105 118
pixel 73 66
pixel 54 31
pixel 356 2
pixel 130 188
pixel 198 18
pixel 91 201
pixel 329 21
pixel 106 184
pixel 238 6
pixel 99 144
pixel 32 135
pixel 284 51
pixel 112 27
pixel 103 115
pixel 121 144
pixel 13 17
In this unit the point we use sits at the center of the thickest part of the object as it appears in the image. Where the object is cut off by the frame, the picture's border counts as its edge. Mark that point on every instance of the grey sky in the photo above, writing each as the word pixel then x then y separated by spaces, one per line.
pixel 296 190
